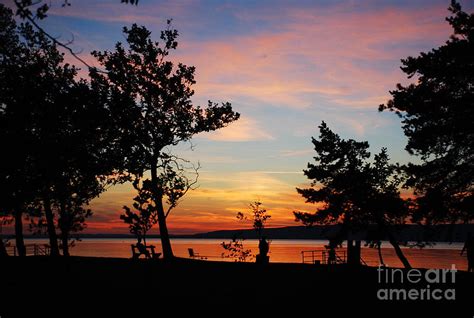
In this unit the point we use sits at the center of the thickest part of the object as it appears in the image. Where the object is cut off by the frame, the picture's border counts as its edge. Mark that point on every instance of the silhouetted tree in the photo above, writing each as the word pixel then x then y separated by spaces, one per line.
pixel 437 117
pixel 149 97
pixel 72 196
pixel 259 218
pixel 87 161
pixel 5 219
pixel 235 249
pixel 175 182
pixel 141 221
pixel 374 240
pixel 3 250
pixel 33 11
pixel 62 126
pixel 354 192
pixel 17 180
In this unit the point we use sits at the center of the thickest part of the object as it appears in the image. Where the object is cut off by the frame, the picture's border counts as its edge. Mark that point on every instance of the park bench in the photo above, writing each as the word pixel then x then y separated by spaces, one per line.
pixel 148 253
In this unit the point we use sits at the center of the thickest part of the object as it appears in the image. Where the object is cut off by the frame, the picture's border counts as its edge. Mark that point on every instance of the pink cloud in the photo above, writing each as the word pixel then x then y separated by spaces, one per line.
pixel 245 129
pixel 145 13
pixel 314 54
pixel 310 55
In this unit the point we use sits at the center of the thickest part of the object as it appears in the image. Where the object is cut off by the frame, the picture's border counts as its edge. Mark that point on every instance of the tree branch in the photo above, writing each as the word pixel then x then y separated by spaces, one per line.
pixel 25 13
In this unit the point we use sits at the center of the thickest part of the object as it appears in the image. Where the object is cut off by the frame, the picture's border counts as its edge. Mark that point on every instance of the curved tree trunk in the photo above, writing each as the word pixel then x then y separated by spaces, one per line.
pixel 53 238
pixel 165 238
pixel 158 198
pixel 399 251
pixel 20 242
pixel 379 249
pixel 393 241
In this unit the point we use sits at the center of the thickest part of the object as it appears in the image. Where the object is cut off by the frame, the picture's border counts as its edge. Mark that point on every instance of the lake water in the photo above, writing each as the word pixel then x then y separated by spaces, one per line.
pixel 442 255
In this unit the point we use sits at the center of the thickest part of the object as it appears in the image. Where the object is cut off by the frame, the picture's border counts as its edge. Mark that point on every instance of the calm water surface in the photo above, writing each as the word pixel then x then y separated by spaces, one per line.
pixel 442 255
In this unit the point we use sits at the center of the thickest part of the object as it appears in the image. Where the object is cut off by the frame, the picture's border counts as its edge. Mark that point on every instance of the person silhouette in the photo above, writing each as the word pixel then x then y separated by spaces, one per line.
pixel 331 250
pixel 469 248
pixel 263 248
pixel 332 255
pixel 142 248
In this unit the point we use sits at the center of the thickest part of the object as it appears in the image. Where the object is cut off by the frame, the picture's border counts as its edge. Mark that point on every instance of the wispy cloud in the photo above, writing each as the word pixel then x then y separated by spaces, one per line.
pixel 333 53
pixel 245 129
pixel 115 12
pixel 313 54
pixel 296 153
pixel 285 66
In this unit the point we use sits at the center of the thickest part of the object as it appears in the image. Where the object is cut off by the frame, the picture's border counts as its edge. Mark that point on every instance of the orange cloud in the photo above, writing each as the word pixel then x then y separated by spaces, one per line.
pixel 214 204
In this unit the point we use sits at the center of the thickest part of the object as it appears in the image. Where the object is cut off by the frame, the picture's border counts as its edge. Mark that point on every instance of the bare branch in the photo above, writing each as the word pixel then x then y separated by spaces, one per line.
pixel 190 185
pixel 26 14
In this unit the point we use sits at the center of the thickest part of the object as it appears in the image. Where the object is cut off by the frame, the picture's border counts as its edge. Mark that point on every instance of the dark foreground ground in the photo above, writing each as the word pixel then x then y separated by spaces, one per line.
pixel 103 287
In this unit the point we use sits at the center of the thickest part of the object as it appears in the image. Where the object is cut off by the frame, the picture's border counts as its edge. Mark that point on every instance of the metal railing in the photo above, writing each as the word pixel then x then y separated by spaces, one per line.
pixel 30 249
pixel 311 257
pixel 44 250
pixel 11 250
pixel 335 257
pixel 323 257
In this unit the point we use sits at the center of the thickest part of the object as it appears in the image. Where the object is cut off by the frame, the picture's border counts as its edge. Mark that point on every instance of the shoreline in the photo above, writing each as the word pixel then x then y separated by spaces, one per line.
pixel 281 251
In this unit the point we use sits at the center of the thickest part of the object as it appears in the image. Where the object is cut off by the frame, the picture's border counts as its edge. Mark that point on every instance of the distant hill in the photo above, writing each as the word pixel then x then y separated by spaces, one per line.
pixel 438 233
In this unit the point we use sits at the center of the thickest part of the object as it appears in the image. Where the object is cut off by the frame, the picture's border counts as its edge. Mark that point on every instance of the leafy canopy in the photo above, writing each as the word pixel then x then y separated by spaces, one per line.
pixel 348 188
pixel 437 114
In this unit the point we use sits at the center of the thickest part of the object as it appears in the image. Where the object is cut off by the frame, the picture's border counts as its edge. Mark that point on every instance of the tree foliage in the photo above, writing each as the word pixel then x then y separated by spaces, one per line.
pixel 150 99
pixel 235 249
pixel 352 191
pixel 33 11
pixel 143 218
pixel 437 114
pixel 258 217
pixel 54 131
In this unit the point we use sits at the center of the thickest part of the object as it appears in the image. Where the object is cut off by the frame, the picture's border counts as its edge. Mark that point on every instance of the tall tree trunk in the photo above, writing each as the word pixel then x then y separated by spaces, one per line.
pixel 53 238
pixel 64 222
pixel 65 241
pixel 158 198
pixel 379 249
pixel 398 251
pixel 3 249
pixel 165 238
pixel 20 242
pixel 393 241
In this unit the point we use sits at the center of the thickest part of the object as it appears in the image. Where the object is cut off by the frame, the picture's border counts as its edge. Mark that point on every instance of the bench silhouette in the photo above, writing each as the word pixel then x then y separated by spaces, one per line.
pixel 194 255
pixel 149 252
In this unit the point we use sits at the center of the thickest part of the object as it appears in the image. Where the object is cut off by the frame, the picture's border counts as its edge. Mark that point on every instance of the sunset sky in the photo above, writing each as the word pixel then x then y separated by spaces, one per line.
pixel 285 66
